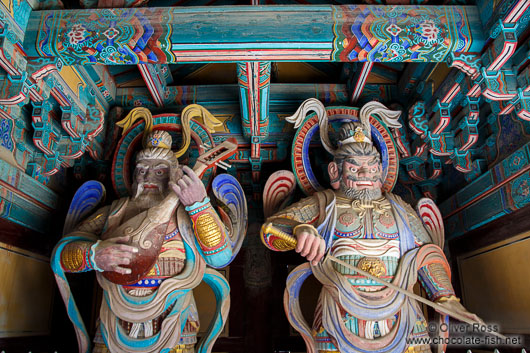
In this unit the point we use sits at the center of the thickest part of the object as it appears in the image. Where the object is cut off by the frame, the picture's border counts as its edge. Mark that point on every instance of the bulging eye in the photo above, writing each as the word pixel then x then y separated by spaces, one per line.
pixel 142 171
pixel 159 172
pixel 354 170
pixel 373 169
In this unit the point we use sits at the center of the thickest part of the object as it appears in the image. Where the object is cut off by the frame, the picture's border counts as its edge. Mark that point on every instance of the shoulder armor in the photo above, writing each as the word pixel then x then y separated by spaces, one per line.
pixel 303 211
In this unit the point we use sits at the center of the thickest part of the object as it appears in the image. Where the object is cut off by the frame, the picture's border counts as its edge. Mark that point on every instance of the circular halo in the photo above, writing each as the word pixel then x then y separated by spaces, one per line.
pixel 121 178
pixel 381 137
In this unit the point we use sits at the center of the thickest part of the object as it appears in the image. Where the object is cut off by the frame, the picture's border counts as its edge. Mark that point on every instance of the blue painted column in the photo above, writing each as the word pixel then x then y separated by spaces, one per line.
pixel 254 90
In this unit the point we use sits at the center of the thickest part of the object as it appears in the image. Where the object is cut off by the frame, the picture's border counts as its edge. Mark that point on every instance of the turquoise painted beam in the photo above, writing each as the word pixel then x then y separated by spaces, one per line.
pixel 346 33
pixel 24 200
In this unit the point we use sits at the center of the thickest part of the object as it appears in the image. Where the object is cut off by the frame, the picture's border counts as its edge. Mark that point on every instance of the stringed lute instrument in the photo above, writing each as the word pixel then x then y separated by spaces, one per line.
pixel 147 229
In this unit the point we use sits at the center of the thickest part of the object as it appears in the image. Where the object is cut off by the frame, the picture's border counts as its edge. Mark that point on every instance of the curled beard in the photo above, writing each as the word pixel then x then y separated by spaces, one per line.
pixel 360 194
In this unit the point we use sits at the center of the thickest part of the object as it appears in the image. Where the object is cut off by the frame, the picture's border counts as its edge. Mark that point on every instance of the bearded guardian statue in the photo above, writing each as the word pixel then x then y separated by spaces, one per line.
pixel 152 248
pixel 360 223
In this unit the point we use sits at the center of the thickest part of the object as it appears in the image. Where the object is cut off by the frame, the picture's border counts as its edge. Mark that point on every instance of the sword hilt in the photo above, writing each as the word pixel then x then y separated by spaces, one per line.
pixel 289 240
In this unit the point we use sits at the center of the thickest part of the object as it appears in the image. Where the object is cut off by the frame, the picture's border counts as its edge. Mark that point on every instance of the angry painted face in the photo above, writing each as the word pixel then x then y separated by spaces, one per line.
pixel 151 176
pixel 361 177
pixel 358 177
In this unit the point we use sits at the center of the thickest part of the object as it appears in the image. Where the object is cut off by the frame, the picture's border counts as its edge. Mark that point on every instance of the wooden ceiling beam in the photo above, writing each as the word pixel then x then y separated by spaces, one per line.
pixel 254 33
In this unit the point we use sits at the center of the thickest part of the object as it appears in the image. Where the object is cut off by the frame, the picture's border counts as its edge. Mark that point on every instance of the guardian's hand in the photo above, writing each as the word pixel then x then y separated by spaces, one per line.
pixel 189 188
pixel 309 245
pixel 454 305
pixel 109 254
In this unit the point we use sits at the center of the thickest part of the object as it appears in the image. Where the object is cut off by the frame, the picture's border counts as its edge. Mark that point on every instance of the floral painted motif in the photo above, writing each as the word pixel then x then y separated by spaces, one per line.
pixel 399 33
pixel 110 36
pixel 521 191
pixel 77 34
pixel 393 29
pixel 429 30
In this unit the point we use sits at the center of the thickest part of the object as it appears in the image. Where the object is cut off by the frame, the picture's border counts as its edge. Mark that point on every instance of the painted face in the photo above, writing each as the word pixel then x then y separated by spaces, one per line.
pixel 360 179
pixel 151 176
pixel 362 173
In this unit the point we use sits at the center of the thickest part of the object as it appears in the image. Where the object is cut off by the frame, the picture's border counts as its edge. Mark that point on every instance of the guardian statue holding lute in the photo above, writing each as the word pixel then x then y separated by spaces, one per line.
pixel 364 244
pixel 150 249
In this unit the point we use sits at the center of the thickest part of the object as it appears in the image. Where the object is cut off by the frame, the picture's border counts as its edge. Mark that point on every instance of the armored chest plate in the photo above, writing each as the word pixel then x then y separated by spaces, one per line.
pixel 348 224
pixel 385 226
pixel 369 225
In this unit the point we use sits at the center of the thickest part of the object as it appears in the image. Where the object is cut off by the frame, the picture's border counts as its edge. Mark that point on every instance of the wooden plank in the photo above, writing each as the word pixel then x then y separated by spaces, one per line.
pixel 22 313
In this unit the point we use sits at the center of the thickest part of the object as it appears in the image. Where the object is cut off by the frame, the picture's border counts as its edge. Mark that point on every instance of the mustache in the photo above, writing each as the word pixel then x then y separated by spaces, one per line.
pixel 141 187
pixel 352 178
pixel 363 194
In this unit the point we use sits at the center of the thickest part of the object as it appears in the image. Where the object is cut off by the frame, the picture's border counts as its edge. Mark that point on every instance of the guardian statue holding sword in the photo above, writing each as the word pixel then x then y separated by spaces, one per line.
pixel 364 244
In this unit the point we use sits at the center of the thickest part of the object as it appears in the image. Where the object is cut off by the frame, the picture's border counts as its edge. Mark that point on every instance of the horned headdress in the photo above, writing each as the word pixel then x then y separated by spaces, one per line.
pixel 370 124
pixel 162 139
pixel 194 121
pixel 362 131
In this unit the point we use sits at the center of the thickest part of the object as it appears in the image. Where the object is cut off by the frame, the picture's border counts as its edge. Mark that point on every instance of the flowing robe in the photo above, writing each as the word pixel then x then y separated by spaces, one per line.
pixel 169 302
pixel 348 317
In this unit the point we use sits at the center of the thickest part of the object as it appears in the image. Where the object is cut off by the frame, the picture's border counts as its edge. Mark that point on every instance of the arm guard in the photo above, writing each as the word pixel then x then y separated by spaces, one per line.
pixel 75 257
pixel 210 233
pixel 436 279
pixel 421 236
pixel 304 212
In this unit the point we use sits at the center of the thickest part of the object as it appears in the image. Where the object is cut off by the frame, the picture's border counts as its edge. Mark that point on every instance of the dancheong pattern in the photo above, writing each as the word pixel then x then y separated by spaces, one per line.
pixel 399 33
pixel 110 36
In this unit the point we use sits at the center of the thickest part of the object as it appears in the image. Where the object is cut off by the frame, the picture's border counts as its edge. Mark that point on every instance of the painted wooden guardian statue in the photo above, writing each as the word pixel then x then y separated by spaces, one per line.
pixel 152 248
pixel 358 222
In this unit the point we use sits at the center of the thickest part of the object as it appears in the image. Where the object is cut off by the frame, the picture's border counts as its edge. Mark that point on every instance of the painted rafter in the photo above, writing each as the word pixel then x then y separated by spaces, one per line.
pixel 155 81
pixel 497 81
pixel 254 88
pixel 358 81
pixel 498 75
